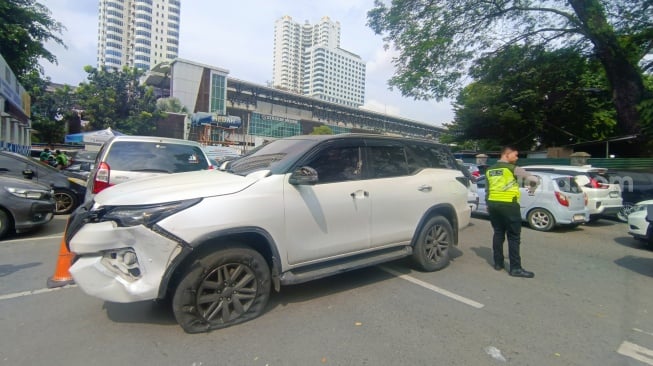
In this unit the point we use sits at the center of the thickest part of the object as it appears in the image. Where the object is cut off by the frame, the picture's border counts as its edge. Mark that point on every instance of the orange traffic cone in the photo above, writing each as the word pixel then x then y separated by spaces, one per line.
pixel 61 275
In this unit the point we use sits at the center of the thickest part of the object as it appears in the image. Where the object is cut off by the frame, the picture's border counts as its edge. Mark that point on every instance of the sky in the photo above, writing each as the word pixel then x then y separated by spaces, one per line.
pixel 239 36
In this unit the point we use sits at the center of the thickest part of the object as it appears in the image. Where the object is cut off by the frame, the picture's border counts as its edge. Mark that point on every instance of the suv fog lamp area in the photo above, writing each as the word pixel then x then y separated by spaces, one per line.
pixel 123 260
pixel 146 215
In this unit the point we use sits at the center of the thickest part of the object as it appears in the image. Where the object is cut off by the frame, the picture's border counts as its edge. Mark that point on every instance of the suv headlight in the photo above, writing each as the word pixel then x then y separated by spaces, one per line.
pixel 34 194
pixel 146 215
pixel 638 208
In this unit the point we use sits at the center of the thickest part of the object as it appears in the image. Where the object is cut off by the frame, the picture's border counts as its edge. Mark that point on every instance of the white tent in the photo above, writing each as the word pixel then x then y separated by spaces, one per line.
pixel 99 137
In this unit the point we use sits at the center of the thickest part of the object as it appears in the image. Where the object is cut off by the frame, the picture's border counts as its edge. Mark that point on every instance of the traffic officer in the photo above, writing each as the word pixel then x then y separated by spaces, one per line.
pixel 503 206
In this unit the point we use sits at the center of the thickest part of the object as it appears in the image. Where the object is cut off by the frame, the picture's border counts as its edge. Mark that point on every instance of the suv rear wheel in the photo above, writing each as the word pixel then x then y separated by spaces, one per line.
pixel 431 252
pixel 226 287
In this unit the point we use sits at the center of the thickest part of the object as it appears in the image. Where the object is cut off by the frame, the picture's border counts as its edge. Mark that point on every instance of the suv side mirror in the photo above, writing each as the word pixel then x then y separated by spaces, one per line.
pixel 303 176
pixel 225 165
pixel 28 173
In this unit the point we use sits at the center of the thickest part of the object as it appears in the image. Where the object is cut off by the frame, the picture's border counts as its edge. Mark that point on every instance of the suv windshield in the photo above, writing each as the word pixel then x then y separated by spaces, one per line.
pixel 276 156
pixel 155 157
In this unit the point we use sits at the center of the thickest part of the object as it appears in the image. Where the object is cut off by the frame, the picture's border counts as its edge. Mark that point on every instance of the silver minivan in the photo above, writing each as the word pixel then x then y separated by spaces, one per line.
pixel 558 200
pixel 124 158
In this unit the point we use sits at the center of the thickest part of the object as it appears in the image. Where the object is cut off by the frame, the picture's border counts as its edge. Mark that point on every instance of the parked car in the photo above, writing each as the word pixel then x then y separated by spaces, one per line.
pixel 557 201
pixel 24 205
pixel 124 158
pixel 297 209
pixel 68 190
pixel 635 186
pixel 603 198
pixel 639 221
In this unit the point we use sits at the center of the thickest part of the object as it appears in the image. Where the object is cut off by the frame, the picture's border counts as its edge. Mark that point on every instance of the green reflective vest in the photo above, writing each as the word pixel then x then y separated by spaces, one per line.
pixel 502 185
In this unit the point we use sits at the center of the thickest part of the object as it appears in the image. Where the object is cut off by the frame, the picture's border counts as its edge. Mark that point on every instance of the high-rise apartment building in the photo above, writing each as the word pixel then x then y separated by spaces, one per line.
pixel 137 33
pixel 308 60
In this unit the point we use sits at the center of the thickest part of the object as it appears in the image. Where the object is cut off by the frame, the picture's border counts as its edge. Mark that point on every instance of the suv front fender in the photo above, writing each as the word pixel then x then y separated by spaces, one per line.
pixel 254 237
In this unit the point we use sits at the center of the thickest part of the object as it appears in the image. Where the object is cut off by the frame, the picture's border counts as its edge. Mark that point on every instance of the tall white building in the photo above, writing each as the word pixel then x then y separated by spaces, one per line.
pixel 308 60
pixel 137 33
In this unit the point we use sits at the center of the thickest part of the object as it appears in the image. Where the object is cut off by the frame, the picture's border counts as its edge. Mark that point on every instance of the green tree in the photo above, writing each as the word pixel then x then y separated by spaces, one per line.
pixel 118 100
pixel 25 26
pixel 521 96
pixel 322 130
pixel 172 105
pixel 438 40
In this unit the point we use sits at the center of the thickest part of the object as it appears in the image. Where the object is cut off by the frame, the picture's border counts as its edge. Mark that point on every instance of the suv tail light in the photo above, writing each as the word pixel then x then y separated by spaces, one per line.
pixel 596 184
pixel 101 178
pixel 562 199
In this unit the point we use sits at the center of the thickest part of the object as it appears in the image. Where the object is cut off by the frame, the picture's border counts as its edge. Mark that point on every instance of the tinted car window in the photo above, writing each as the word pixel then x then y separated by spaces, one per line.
pixel 387 161
pixel 169 158
pixel 429 156
pixel 276 156
pixel 568 185
pixel 337 164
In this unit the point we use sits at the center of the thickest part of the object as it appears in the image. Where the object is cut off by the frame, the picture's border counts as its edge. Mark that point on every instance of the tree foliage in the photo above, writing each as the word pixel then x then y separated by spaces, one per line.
pixel 25 26
pixel 438 40
pixel 322 130
pixel 524 96
pixel 118 100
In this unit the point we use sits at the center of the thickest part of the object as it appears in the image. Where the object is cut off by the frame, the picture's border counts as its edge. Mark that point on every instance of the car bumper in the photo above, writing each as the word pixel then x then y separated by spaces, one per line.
pixel 40 213
pixel 638 227
pixel 120 264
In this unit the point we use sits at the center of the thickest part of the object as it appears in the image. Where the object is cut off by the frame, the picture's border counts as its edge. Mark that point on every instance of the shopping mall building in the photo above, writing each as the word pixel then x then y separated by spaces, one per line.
pixel 15 125
pixel 242 114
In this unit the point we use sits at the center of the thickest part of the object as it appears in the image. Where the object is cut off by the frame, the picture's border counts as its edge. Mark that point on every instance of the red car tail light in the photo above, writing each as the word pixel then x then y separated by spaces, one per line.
pixel 101 178
pixel 596 184
pixel 562 199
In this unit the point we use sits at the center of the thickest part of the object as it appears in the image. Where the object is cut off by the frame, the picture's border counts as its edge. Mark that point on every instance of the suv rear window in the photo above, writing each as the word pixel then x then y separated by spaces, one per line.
pixel 155 157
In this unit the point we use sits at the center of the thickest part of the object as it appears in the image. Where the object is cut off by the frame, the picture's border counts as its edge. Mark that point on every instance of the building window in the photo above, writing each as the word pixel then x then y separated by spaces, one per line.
pixel 218 94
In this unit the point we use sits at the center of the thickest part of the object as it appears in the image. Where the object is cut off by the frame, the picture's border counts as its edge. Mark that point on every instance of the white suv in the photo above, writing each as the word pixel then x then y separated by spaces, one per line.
pixel 603 197
pixel 295 210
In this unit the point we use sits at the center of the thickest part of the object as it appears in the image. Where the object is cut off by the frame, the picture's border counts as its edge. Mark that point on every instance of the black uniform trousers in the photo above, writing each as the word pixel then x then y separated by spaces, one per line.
pixel 505 218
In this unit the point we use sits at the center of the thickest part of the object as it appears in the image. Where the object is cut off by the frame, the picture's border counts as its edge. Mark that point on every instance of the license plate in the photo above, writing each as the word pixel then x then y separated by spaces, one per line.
pixel 614 194
pixel 578 218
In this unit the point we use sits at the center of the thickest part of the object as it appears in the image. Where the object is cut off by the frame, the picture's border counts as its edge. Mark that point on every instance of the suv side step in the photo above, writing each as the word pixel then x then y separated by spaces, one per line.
pixel 340 265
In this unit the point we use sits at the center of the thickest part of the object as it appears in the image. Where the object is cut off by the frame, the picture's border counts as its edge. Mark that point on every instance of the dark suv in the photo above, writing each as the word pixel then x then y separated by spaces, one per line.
pixel 68 191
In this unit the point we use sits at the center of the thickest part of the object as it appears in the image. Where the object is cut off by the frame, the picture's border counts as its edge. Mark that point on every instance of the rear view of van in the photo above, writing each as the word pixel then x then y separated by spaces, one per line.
pixel 125 158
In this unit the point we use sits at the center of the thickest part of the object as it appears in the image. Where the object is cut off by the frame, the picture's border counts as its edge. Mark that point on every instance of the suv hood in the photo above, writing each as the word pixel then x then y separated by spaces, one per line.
pixel 175 187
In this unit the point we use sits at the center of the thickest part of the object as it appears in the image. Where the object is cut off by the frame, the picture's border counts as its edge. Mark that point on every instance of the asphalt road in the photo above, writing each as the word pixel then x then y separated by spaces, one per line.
pixel 590 303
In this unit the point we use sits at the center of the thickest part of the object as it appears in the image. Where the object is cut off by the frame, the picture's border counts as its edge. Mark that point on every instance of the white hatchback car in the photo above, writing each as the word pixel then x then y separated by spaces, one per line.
pixel 603 197
pixel 557 201
pixel 295 210
pixel 639 221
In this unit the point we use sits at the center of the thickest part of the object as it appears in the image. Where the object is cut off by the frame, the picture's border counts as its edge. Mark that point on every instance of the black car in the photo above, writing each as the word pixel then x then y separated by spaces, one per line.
pixel 24 205
pixel 636 186
pixel 69 191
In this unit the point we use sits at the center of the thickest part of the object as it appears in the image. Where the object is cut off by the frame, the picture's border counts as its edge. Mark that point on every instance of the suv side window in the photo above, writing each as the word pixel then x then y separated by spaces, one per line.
pixel 170 158
pixel 387 161
pixel 337 164
pixel 423 155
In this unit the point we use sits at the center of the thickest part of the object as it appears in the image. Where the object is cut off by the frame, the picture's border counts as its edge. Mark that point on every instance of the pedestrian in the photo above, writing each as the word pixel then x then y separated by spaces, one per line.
pixel 44 155
pixel 503 182
pixel 62 159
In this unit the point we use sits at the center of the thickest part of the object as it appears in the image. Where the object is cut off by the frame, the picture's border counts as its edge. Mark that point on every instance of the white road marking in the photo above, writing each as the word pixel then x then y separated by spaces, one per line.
pixel 641 331
pixel 58 236
pixel 495 353
pixel 433 288
pixel 636 352
pixel 33 292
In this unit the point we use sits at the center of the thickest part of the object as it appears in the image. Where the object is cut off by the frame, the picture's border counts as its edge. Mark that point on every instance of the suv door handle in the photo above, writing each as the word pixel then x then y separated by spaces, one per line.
pixel 358 194
pixel 425 188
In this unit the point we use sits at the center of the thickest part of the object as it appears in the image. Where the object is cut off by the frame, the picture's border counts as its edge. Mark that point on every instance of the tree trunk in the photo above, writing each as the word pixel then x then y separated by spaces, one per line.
pixel 625 77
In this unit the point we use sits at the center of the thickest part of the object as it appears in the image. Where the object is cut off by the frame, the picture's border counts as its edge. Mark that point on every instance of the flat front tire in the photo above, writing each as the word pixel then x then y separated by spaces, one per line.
pixel 226 287
pixel 431 251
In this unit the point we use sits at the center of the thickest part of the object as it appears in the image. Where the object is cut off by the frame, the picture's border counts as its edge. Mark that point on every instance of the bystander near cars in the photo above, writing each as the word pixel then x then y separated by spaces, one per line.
pixel 557 201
